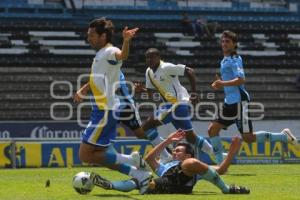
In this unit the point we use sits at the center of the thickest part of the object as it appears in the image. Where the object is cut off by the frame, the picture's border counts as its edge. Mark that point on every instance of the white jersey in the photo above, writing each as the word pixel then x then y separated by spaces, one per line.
pixel 104 78
pixel 165 81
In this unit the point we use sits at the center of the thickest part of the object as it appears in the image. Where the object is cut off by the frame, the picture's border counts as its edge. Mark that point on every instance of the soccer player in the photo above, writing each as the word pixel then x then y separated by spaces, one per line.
pixel 181 174
pixel 129 116
pixel 235 108
pixel 164 78
pixel 96 147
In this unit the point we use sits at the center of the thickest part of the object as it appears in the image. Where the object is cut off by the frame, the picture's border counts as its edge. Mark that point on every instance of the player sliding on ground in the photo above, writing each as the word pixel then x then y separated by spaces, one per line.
pixel 180 174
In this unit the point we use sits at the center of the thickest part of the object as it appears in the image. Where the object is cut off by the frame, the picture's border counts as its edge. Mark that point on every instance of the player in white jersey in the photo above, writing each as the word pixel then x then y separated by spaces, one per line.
pixel 96 147
pixel 164 78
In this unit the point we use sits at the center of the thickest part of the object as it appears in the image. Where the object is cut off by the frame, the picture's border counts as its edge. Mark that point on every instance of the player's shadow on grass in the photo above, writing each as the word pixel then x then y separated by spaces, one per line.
pixel 239 174
pixel 204 193
pixel 121 196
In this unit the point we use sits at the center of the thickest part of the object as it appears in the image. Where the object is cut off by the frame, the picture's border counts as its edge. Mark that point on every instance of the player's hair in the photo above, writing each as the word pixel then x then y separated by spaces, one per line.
pixel 188 148
pixel 103 25
pixel 153 51
pixel 232 36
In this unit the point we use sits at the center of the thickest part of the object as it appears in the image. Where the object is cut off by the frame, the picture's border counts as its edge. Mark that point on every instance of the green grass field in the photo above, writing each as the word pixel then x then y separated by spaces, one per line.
pixel 265 181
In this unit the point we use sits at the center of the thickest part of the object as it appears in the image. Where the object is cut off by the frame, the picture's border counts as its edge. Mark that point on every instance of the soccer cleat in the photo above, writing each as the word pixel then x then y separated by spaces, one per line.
pixel 101 182
pixel 139 162
pixel 290 136
pixel 143 182
pixel 233 189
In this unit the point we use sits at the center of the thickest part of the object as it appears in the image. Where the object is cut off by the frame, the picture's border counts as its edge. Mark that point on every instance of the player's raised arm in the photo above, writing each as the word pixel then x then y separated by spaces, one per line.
pixel 155 152
pixel 128 34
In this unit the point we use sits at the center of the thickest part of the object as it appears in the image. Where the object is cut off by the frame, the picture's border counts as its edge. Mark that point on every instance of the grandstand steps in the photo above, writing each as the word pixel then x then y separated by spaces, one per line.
pixel 25 79
pixel 52 70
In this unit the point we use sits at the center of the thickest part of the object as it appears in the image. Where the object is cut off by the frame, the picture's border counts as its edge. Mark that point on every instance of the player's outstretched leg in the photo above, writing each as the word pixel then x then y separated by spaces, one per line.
pixel 193 166
pixel 123 186
pixel 285 136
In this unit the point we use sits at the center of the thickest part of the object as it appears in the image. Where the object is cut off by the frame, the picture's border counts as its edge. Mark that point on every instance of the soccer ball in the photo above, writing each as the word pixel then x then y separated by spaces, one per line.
pixel 82 183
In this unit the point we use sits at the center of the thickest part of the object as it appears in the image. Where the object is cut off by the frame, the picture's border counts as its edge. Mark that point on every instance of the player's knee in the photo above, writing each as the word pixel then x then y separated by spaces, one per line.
pixel 248 138
pixel 210 130
pixel 190 166
pixel 84 156
pixel 139 133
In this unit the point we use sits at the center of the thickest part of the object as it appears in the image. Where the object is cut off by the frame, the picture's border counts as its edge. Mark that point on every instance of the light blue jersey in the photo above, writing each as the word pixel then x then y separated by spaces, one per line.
pixel 231 68
pixel 163 168
pixel 126 97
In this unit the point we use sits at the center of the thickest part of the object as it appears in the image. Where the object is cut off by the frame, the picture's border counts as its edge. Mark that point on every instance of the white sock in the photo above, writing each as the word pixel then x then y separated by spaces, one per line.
pixel 124 159
pixel 138 174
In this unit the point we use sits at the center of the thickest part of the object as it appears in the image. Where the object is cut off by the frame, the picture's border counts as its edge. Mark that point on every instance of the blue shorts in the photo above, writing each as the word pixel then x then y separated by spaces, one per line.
pixel 101 128
pixel 178 114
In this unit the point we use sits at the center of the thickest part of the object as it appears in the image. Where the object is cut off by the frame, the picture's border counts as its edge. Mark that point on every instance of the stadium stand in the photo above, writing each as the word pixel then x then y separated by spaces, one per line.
pixel 44 41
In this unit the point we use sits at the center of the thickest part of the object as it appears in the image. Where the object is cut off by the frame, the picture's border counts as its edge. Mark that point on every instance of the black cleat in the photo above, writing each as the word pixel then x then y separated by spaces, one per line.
pixel 101 182
pixel 233 189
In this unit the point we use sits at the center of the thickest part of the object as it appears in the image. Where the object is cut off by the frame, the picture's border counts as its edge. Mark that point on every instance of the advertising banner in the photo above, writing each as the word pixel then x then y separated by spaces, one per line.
pixel 65 154
pixel 49 130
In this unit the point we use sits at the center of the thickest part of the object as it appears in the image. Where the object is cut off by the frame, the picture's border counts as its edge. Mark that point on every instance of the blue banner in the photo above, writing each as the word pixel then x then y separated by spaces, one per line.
pixel 65 154
pixel 49 130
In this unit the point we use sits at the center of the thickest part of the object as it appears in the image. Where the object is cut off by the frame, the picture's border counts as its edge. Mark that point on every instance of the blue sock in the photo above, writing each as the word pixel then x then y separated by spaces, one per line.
pixel 124 169
pixel 212 176
pixel 110 158
pixel 111 149
pixel 262 136
pixel 153 136
pixel 218 148
pixel 124 186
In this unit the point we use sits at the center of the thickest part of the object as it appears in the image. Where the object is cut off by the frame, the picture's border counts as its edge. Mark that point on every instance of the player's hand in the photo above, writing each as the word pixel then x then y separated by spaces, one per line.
pixel 129 34
pixel 235 145
pixel 79 95
pixel 176 136
pixel 194 99
pixel 139 87
pixel 218 83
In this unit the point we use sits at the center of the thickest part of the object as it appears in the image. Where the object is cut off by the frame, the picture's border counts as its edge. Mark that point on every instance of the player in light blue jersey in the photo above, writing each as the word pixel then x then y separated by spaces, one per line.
pixel 129 115
pixel 235 108
pixel 180 174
